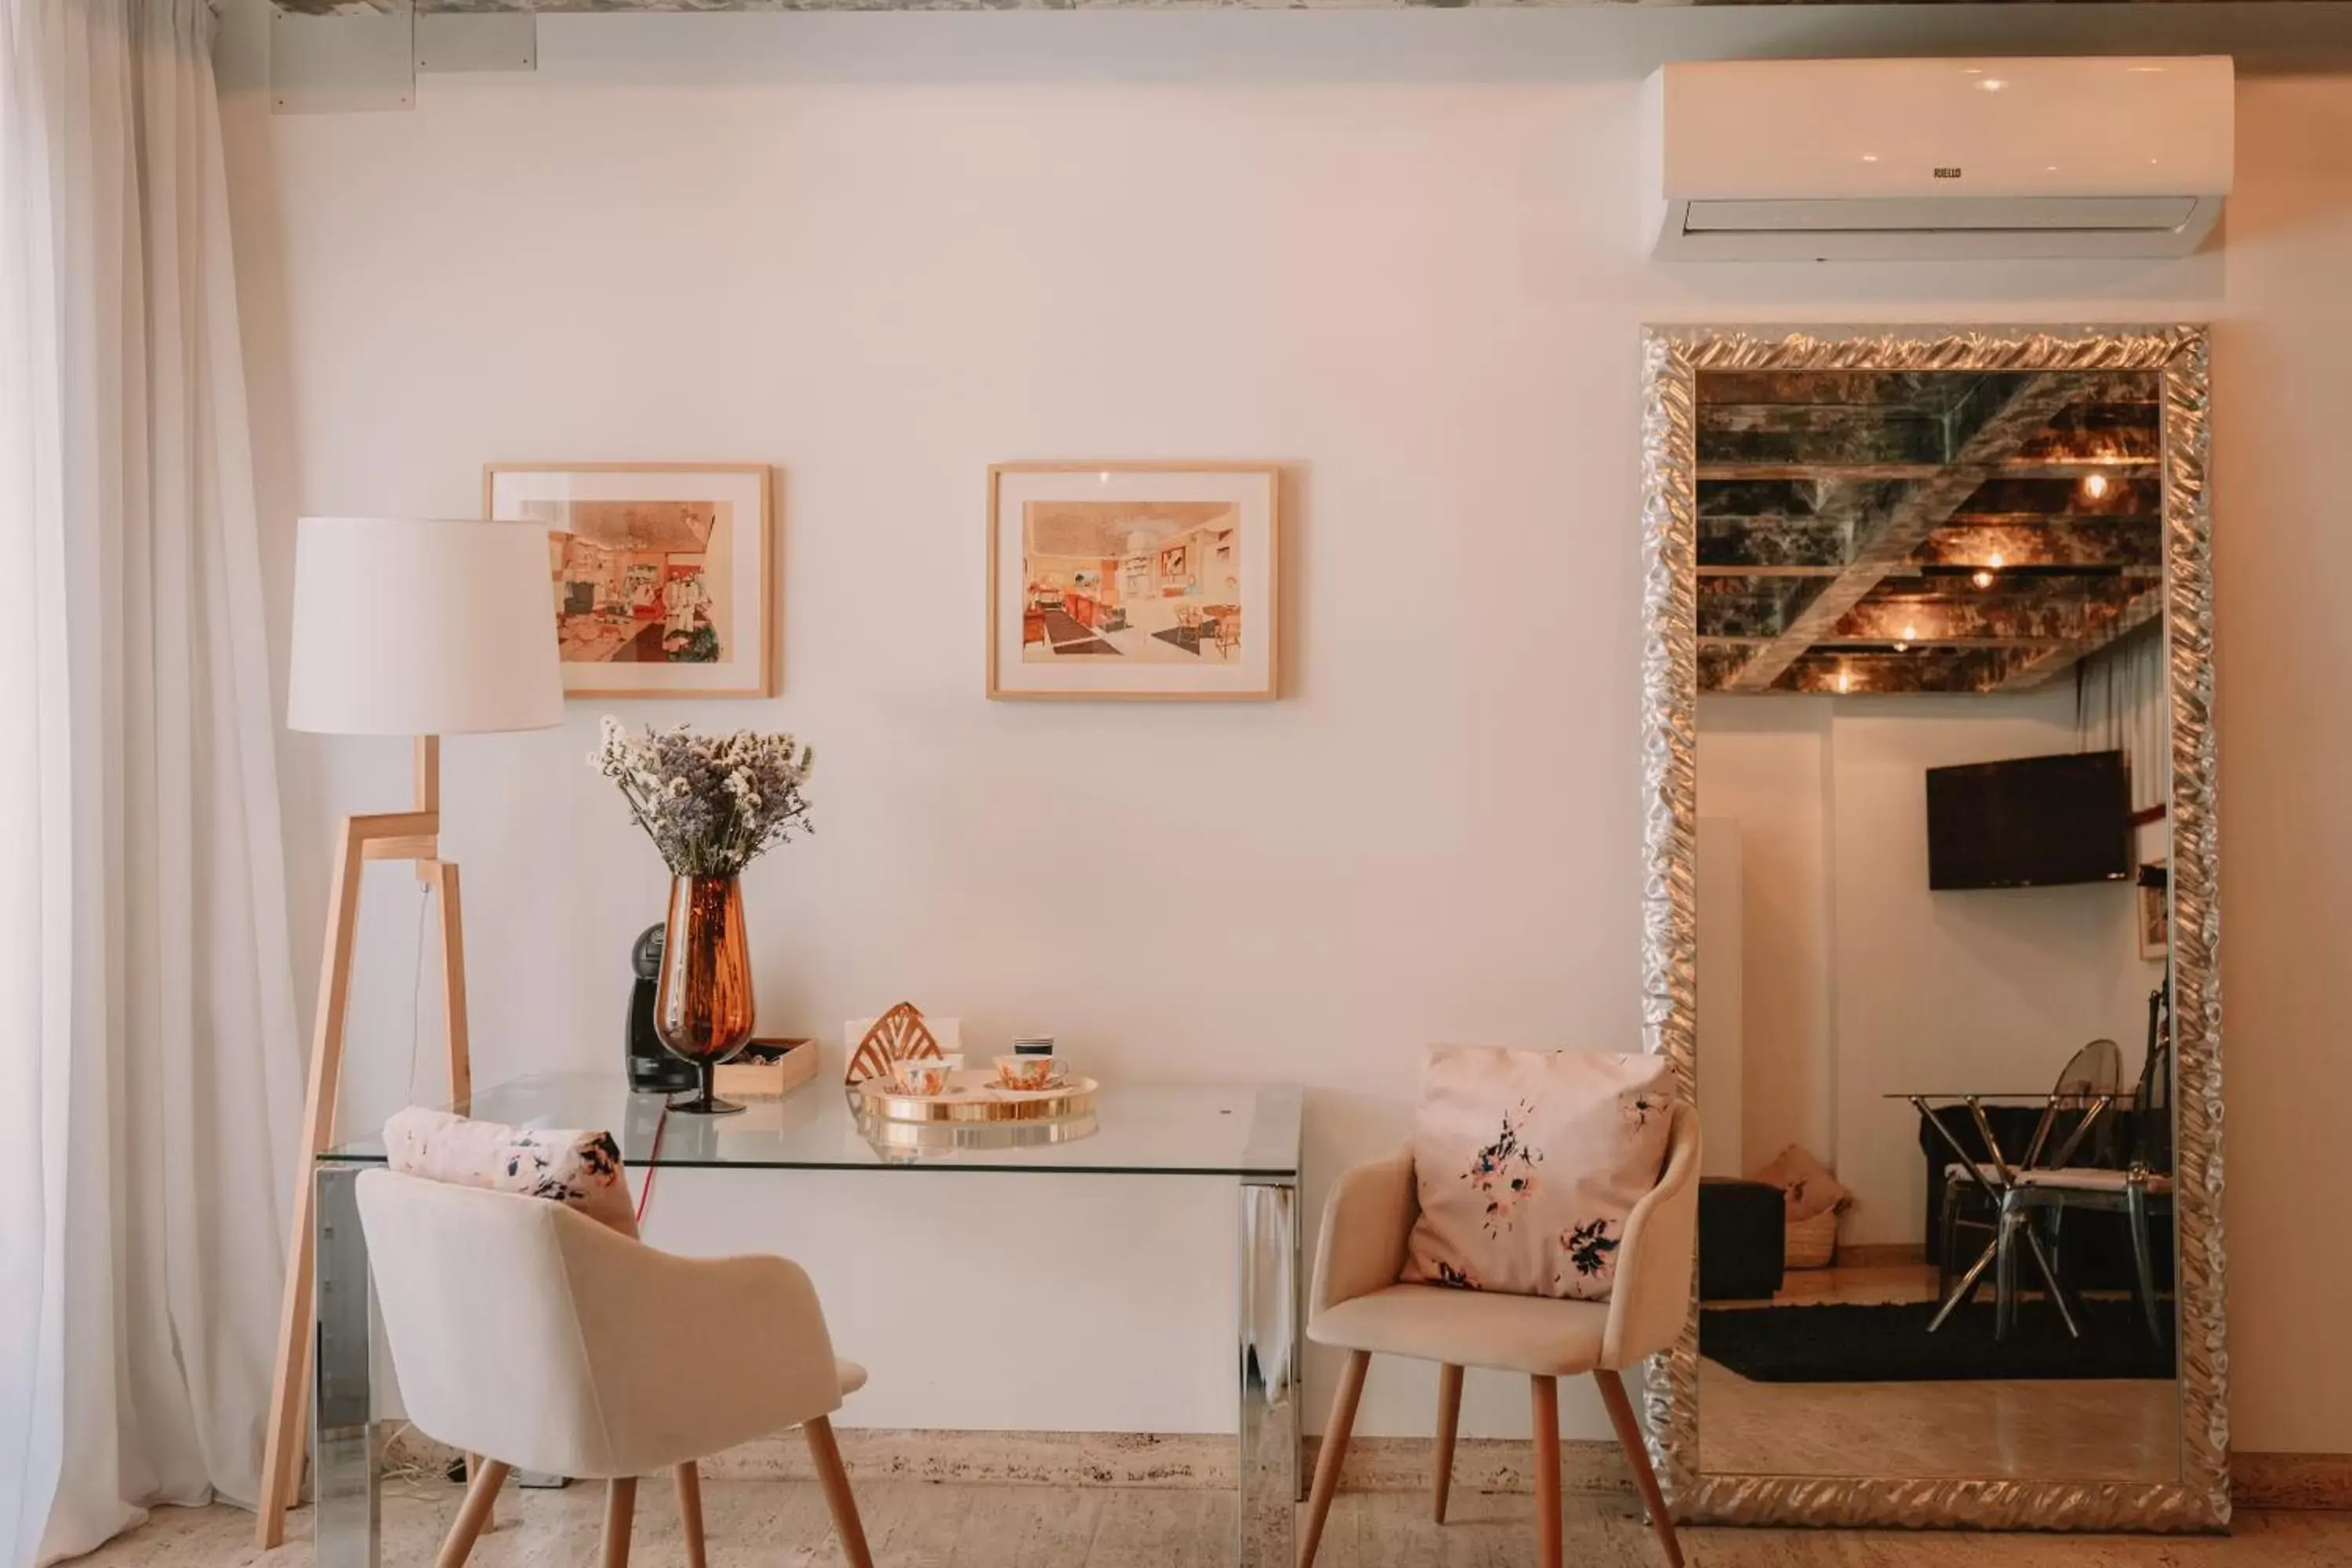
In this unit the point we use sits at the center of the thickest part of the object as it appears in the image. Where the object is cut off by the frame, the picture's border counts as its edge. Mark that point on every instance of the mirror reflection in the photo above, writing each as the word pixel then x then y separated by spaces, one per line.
pixel 1933 941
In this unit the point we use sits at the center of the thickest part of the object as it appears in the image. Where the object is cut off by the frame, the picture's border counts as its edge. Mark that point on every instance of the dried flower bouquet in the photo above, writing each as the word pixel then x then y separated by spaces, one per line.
pixel 711 804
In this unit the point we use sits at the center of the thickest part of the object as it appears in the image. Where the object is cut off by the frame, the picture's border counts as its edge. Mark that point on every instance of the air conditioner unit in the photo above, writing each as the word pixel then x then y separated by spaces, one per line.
pixel 1885 159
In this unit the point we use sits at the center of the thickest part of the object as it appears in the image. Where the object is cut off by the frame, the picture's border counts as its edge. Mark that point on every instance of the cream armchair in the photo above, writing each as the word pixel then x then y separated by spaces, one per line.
pixel 1358 1307
pixel 535 1337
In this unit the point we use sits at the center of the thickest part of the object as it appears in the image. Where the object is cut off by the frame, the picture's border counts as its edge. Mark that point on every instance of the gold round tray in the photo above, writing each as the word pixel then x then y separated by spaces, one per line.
pixel 973 1098
pixel 897 1140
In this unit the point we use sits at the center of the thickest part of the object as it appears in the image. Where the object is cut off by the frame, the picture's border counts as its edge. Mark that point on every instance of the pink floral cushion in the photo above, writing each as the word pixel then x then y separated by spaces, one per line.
pixel 580 1169
pixel 1807 1187
pixel 1528 1163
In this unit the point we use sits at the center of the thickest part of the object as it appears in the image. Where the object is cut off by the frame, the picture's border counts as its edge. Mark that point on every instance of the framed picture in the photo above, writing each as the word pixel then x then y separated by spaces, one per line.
pixel 662 573
pixel 1134 580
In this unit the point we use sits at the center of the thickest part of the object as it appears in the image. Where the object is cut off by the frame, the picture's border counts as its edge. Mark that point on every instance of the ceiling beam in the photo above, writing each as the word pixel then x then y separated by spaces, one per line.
pixel 1969 671
pixel 2033 670
pixel 1886 542
pixel 2031 612
pixel 2124 465
pixel 1760 547
pixel 1740 469
pixel 2067 615
pixel 2132 549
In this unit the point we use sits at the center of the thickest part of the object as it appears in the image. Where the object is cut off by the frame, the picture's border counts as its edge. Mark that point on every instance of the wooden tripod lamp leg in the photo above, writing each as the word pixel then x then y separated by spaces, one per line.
pixel 413 836
pixel 281 1461
pixel 409 836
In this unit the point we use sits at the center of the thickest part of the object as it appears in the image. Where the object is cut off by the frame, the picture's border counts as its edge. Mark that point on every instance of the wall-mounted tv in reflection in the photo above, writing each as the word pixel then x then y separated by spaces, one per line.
pixel 2032 822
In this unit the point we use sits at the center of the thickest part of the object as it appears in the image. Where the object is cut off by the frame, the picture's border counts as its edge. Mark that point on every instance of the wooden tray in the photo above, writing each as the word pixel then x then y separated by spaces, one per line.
pixel 972 1098
pixel 749 1077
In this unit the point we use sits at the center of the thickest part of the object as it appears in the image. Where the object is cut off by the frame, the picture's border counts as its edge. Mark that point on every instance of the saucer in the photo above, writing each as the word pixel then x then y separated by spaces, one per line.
pixel 1051 1086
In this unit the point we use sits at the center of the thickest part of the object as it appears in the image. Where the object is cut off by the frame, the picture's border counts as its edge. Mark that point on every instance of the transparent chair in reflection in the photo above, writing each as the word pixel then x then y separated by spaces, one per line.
pixel 2085 1089
pixel 2140 1189
pixel 2091 1074
pixel 2030 1198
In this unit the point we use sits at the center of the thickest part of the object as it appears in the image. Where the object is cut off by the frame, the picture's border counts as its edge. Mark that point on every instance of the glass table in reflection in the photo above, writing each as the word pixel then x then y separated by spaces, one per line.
pixel 1244 1134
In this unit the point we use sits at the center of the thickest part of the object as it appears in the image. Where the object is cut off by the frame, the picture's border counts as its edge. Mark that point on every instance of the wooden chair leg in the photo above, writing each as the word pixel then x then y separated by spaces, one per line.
pixel 689 1513
pixel 1546 1411
pixel 1637 1456
pixel 474 1463
pixel 837 1495
pixel 1335 1452
pixel 481 1490
pixel 620 1511
pixel 1449 1416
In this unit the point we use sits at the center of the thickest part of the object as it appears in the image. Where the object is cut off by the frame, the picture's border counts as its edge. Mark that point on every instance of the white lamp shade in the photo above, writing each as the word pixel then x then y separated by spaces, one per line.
pixel 406 627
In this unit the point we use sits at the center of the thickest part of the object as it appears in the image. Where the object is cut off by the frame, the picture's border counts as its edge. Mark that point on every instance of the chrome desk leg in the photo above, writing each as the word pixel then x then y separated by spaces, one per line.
pixel 1269 1344
pixel 1968 1285
pixel 2142 1266
pixel 343 1458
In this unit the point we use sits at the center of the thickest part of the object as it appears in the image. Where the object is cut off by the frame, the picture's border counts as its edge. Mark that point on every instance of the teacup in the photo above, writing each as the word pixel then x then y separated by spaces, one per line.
pixel 924 1075
pixel 1028 1072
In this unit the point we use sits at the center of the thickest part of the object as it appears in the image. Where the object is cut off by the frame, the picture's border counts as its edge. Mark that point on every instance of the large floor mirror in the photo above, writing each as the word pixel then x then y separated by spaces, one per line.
pixel 1931 922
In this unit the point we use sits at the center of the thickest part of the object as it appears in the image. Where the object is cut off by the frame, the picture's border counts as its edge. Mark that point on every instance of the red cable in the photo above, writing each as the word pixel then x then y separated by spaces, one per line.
pixel 645 1193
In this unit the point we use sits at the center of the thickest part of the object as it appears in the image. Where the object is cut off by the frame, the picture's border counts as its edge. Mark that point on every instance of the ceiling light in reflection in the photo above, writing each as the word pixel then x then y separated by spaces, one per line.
pixel 1982 578
pixel 1844 682
pixel 1995 561
pixel 2094 485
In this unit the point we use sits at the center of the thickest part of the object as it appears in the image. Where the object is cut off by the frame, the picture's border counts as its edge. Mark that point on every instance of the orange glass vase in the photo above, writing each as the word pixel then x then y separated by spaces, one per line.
pixel 703 1011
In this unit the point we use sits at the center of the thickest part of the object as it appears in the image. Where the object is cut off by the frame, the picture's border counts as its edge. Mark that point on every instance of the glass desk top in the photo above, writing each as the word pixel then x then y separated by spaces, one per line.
pixel 1249 1132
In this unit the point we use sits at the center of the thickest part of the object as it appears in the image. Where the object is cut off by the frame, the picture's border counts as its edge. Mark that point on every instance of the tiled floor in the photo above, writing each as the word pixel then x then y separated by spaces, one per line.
pixel 917 1524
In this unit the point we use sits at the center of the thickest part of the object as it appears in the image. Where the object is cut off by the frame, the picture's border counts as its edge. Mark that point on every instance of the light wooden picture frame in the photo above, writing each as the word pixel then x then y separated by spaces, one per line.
pixel 1134 581
pixel 664 574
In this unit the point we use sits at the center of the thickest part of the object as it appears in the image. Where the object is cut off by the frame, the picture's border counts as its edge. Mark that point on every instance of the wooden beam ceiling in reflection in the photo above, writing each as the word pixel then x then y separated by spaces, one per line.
pixel 1922 531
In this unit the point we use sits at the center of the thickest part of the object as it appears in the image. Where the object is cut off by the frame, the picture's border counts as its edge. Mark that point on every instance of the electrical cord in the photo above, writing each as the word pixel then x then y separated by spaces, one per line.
pixel 646 1191
pixel 416 985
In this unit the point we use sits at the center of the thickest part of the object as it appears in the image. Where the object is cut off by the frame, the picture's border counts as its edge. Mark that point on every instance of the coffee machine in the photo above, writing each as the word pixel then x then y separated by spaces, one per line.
pixel 652 1068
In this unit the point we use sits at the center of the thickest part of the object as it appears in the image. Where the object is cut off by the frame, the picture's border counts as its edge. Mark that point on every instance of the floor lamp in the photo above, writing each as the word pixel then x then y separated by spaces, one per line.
pixel 401 627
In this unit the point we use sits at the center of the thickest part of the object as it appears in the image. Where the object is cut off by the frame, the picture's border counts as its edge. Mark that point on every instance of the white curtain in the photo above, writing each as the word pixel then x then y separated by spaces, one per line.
pixel 150 1070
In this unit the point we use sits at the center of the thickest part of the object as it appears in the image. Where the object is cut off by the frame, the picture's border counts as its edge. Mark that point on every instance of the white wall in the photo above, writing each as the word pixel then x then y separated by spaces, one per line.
pixel 1764 763
pixel 1393 250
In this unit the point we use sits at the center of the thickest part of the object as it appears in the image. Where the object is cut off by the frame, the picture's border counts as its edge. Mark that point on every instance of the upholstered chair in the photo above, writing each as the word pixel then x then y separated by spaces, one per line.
pixel 528 1333
pixel 1359 1306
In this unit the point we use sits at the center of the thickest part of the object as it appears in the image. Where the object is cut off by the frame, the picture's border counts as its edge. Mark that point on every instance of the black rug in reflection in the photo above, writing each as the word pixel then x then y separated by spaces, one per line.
pixel 1892 1344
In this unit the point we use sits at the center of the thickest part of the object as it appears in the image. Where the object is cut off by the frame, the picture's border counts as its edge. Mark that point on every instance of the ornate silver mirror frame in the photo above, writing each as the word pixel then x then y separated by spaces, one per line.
pixel 1673 358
